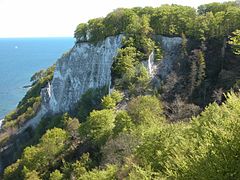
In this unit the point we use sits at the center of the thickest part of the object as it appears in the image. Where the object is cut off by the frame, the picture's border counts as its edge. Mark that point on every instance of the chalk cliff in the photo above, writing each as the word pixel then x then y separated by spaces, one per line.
pixel 171 47
pixel 87 66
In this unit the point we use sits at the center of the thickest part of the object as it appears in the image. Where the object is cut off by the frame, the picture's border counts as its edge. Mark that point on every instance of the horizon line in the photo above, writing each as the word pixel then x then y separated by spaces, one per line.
pixel 31 37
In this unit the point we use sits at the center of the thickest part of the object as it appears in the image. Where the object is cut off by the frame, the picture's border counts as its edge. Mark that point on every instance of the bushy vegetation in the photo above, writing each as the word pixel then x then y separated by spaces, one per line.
pixel 110 101
pixel 203 149
pixel 235 41
pixel 89 101
pixel 209 21
pixel 131 147
pixel 36 160
pixel 126 134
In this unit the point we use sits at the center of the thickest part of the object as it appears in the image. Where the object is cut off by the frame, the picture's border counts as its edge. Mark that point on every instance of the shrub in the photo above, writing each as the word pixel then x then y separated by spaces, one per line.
pixel 207 148
pixel 89 101
pixel 110 101
pixel 123 122
pixel 98 126
pixel 145 109
pixel 56 175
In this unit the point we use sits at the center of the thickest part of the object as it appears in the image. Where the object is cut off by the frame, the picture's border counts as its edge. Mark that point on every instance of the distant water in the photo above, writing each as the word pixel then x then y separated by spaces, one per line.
pixel 20 58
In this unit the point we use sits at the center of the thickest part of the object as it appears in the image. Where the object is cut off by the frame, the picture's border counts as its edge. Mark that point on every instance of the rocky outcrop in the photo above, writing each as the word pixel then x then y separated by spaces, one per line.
pixel 1 121
pixel 85 66
pixel 150 65
pixel 171 47
pixel 88 66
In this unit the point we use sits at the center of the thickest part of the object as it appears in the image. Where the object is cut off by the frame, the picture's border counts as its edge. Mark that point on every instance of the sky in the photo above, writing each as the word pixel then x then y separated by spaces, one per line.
pixel 59 18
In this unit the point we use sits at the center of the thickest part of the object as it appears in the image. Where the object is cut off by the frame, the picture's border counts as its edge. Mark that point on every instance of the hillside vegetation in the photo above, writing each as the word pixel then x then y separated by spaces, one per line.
pixel 186 128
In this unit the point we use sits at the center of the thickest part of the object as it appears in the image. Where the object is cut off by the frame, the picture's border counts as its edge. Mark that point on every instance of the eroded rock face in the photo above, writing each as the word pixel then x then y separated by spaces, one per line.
pixel 88 66
pixel 150 65
pixel 85 66
pixel 172 53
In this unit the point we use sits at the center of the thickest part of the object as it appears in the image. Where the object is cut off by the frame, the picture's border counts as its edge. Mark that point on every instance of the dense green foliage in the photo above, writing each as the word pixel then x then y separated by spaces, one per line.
pixel 98 126
pixel 212 20
pixel 126 133
pixel 110 101
pixel 145 110
pixel 205 148
pixel 215 7
pixel 89 101
pixel 38 159
pixel 235 41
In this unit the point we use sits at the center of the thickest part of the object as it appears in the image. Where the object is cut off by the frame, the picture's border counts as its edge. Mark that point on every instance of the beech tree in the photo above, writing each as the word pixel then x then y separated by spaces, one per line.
pixel 110 101
pixel 81 32
pixel 145 110
pixel 215 7
pixel 123 122
pixel 197 149
pixel 56 175
pixel 98 126
pixel 40 157
pixel 172 20
pixel 235 42
pixel 96 30
pixel 125 61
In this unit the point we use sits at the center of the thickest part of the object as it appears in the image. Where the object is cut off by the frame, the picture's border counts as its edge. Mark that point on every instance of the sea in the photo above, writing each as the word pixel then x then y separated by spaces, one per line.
pixel 20 58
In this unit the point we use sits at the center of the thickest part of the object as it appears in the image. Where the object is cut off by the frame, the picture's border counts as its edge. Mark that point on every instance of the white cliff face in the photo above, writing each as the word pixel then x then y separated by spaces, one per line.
pixel 172 53
pixel 89 66
pixel 1 121
pixel 151 65
pixel 85 66
pixel 171 47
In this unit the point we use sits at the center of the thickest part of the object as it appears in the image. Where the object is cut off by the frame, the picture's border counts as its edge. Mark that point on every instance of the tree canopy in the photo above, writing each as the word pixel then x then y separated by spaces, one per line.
pixel 127 133
pixel 235 42
pixel 208 21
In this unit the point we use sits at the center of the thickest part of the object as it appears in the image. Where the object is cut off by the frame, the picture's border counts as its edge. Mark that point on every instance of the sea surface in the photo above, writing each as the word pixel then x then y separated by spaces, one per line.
pixel 20 58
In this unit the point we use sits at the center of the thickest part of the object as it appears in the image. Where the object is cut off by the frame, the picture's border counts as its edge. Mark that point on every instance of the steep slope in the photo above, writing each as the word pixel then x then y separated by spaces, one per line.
pixel 156 80
pixel 171 47
pixel 85 66
pixel 88 66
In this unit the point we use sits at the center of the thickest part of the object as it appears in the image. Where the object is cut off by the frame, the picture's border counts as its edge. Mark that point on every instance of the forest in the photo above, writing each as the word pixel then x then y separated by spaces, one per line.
pixel 187 128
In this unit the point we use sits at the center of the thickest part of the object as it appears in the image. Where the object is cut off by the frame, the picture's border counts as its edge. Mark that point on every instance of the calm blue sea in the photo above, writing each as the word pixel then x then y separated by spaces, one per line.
pixel 20 58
